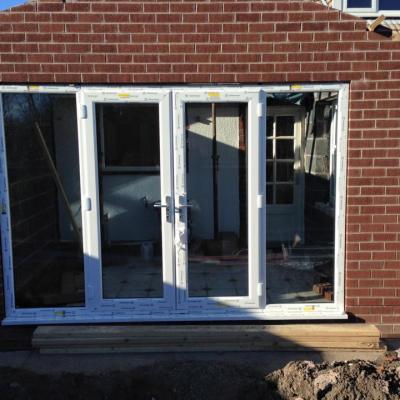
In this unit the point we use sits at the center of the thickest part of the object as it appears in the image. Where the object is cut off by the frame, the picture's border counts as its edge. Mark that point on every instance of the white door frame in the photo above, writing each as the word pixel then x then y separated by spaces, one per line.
pixel 86 314
pixel 92 243
pixel 255 194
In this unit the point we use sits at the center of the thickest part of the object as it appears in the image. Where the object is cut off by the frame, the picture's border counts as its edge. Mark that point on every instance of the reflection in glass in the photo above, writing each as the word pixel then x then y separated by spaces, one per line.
pixel 217 190
pixel 129 177
pixel 45 199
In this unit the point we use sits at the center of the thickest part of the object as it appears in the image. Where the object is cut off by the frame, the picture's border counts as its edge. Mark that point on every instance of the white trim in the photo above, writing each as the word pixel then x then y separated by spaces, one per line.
pixel 108 312
pixel 172 317
pixel 341 193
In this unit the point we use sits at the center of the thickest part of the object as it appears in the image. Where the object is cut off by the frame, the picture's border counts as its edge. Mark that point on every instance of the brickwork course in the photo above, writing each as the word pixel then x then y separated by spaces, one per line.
pixel 248 42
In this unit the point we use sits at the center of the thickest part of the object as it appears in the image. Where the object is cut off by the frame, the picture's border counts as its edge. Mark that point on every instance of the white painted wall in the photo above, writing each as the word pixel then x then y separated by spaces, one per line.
pixel 128 217
pixel 199 176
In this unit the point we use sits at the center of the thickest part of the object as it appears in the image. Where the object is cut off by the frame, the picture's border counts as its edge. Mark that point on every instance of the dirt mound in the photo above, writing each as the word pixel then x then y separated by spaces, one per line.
pixel 303 380
pixel 349 380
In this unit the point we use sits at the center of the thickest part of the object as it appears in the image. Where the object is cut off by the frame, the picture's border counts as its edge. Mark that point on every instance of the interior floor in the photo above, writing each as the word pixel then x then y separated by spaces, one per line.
pixel 289 280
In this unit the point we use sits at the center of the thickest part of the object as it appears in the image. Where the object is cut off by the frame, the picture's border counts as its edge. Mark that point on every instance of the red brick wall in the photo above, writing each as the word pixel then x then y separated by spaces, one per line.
pixel 246 42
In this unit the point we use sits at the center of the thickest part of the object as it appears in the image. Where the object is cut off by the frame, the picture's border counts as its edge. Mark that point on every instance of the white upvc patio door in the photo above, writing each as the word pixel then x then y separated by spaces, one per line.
pixel 219 159
pixel 129 200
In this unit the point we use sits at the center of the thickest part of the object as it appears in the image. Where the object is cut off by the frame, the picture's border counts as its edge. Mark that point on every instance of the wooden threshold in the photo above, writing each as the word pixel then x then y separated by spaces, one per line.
pixel 202 338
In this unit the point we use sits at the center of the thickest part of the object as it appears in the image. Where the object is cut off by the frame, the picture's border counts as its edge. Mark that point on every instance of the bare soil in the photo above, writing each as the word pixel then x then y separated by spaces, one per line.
pixel 301 380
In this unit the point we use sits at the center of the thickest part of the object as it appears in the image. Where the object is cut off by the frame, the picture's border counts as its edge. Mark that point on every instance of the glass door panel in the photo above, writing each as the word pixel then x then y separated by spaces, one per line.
pixel 129 180
pixel 133 251
pixel 41 142
pixel 216 185
pixel 216 176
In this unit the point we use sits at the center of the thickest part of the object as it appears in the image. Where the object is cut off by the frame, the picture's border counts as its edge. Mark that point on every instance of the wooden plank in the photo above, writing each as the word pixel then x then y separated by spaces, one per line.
pixel 188 339
pixel 147 338
pixel 376 23
pixel 349 346
pixel 294 330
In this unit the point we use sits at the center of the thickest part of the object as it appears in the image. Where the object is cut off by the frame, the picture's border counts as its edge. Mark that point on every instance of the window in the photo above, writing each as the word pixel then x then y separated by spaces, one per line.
pixel 280 159
pixel 359 3
pixel 369 7
pixel 389 5
pixel 130 137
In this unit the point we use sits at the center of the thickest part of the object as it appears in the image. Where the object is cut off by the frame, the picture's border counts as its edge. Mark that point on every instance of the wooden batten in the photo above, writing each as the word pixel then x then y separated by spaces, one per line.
pixel 188 338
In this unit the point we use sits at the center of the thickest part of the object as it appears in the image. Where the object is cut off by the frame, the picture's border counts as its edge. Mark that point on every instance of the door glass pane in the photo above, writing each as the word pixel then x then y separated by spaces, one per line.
pixel 284 194
pixel 217 190
pixel 284 171
pixel 270 171
pixel 128 135
pixel 284 149
pixel 270 194
pixel 270 149
pixel 270 126
pixel 300 216
pixel 284 126
pixel 41 137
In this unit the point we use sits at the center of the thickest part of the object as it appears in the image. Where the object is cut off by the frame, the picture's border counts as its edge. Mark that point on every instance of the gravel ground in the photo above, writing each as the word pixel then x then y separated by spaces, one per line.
pixel 198 380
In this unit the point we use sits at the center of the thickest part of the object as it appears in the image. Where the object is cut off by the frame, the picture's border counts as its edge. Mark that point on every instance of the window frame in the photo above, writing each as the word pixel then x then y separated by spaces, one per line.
pixel 89 314
pixel 372 11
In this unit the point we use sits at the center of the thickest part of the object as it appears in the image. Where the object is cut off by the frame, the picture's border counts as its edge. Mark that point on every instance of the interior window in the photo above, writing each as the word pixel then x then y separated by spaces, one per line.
pixel 130 134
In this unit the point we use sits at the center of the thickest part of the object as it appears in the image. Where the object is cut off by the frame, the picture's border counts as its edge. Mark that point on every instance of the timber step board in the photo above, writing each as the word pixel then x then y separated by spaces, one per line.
pixel 186 338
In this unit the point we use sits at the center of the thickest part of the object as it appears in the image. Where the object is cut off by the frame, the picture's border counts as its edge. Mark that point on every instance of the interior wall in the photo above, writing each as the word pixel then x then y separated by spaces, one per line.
pixel 128 207
pixel 200 172
pixel 67 163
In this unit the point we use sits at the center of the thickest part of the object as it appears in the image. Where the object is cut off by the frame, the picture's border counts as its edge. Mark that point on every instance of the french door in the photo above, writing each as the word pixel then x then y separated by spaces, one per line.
pixel 128 180
pixel 219 194
pixel 174 195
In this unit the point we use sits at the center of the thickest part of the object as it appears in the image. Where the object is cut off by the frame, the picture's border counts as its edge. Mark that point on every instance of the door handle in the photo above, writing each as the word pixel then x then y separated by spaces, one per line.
pixel 186 206
pixel 158 204
pixel 167 207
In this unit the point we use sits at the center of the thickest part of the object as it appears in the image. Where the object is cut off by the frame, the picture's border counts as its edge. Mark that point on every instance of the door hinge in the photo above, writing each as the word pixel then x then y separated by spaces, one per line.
pixel 84 112
pixel 260 289
pixel 260 110
pixel 88 204
pixel 260 201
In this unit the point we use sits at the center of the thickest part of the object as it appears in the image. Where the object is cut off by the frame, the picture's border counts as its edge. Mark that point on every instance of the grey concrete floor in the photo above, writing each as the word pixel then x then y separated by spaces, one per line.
pixel 101 363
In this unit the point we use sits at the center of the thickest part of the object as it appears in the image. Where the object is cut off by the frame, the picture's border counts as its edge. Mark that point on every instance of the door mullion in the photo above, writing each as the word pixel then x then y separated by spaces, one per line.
pixel 90 217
